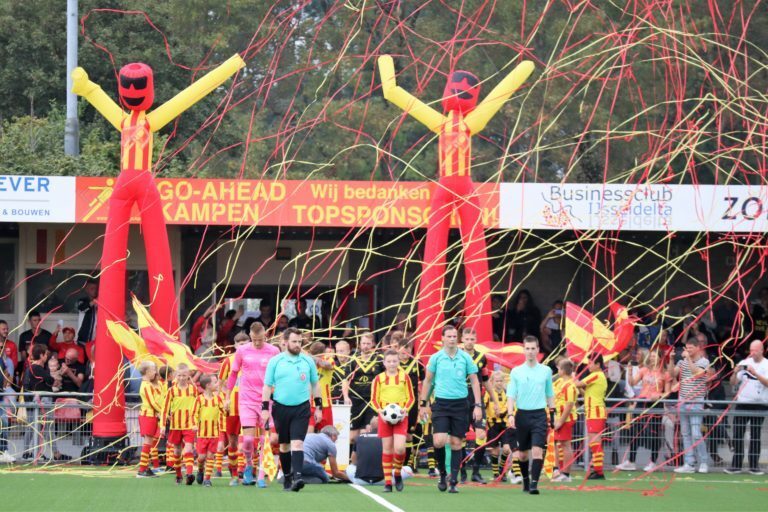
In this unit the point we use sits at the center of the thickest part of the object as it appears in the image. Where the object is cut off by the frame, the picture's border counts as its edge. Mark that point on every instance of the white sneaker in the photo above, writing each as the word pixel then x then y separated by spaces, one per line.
pixel 564 479
pixel 756 472
pixel 514 479
pixel 685 468
pixel 7 458
pixel 649 467
pixel 627 466
pixel 704 468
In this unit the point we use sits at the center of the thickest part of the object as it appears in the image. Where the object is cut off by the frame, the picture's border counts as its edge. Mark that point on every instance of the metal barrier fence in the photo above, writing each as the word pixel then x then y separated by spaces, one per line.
pixel 46 427
pixel 41 427
pixel 637 432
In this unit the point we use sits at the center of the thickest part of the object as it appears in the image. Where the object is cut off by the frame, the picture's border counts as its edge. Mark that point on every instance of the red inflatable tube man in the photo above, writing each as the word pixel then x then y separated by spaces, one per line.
pixel 135 185
pixel 454 191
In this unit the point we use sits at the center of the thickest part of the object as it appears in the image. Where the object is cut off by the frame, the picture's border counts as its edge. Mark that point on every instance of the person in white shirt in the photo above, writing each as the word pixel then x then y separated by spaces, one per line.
pixel 751 375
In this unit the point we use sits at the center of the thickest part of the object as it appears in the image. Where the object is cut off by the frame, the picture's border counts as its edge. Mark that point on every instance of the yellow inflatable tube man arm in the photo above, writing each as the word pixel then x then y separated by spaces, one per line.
pixel 409 103
pixel 484 112
pixel 166 112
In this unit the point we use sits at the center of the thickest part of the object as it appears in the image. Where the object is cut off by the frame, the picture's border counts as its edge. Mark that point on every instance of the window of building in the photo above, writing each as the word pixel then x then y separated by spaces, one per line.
pixel 7 276
pixel 59 290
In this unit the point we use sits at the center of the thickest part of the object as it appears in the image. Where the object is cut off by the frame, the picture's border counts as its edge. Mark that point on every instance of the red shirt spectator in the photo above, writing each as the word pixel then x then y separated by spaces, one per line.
pixel 60 348
pixel 200 328
pixel 8 346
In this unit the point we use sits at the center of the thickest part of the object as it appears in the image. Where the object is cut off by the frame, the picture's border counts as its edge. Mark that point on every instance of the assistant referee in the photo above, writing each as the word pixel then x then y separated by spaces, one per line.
pixel 449 369
pixel 290 381
pixel 530 389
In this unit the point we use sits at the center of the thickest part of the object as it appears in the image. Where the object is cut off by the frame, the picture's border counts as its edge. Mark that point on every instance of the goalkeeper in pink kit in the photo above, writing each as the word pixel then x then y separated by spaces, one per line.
pixel 250 364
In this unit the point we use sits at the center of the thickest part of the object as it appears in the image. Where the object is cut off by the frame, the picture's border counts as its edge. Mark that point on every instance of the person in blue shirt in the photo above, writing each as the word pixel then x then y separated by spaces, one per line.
pixel 529 392
pixel 449 369
pixel 290 382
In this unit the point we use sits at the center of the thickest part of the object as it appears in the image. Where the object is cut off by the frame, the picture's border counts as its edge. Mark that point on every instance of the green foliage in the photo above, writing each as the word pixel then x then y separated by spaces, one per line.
pixel 609 99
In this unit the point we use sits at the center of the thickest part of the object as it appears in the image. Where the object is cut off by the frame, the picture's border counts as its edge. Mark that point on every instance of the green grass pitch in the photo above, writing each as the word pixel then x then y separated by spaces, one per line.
pixel 79 489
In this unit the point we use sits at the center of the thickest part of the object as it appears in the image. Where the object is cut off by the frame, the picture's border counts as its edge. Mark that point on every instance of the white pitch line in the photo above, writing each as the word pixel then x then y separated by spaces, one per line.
pixel 375 497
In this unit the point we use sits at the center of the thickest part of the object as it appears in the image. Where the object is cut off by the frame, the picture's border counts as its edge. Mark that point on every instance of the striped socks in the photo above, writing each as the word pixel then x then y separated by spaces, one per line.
pixel 219 461
pixel 209 463
pixel 516 467
pixel 154 456
pixel 232 456
pixel 495 466
pixel 386 466
pixel 170 455
pixel 144 459
pixel 189 463
pixel 399 458
pixel 597 456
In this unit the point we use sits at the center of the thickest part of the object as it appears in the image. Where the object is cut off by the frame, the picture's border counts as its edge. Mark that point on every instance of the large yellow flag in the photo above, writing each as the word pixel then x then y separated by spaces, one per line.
pixel 155 344
pixel 586 335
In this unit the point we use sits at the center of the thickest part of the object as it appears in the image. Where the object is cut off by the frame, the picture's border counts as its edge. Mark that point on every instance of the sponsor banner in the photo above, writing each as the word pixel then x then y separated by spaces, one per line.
pixel 285 202
pixel 37 198
pixel 717 208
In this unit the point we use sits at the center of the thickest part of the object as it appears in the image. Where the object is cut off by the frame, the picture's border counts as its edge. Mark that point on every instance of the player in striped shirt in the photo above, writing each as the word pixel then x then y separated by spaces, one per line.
pixel 392 386
pixel 326 368
pixel 566 395
pixel 208 413
pixel 595 386
pixel 179 406
pixel 500 439
pixel 151 393
pixel 231 431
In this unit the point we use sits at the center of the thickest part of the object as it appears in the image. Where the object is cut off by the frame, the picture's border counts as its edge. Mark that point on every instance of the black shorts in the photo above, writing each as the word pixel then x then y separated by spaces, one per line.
pixel 471 412
pixel 450 417
pixel 531 429
pixel 291 421
pixel 361 414
pixel 413 418
pixel 499 435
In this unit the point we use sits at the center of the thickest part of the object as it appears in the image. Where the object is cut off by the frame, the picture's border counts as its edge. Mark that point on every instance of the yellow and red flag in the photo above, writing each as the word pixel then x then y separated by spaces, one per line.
pixel 508 355
pixel 154 344
pixel 549 458
pixel 267 465
pixel 585 335
pixel 505 354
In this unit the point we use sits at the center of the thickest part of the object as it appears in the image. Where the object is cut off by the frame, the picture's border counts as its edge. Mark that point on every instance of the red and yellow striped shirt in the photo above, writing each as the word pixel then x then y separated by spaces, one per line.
pixel 179 406
pixel 326 380
pixel 208 413
pixel 594 395
pixel 392 389
pixel 136 142
pixel 566 392
pixel 152 396
pixel 224 371
pixel 455 145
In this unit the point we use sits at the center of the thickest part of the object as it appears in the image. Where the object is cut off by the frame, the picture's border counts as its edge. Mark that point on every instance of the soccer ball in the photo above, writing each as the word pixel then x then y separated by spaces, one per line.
pixel 393 414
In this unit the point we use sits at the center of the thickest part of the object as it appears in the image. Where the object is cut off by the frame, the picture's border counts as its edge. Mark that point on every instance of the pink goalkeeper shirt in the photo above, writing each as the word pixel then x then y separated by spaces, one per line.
pixel 251 365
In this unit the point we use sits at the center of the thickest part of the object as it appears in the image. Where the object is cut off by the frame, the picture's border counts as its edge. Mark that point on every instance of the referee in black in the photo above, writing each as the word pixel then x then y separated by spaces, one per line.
pixel 530 391
pixel 290 381
pixel 449 369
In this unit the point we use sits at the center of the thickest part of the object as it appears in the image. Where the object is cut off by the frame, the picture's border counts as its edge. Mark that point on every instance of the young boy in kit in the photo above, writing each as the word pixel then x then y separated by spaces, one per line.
pixel 208 413
pixel 392 386
pixel 179 405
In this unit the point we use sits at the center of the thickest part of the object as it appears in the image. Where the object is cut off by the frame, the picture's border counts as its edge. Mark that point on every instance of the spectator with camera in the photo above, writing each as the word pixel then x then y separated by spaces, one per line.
pixel 751 377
